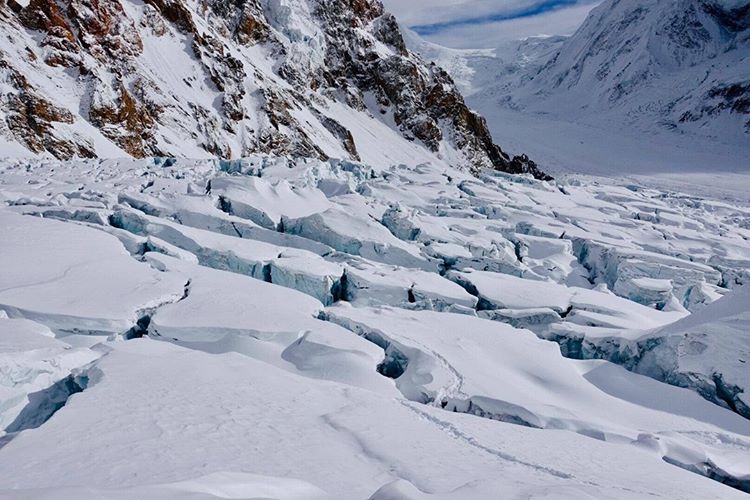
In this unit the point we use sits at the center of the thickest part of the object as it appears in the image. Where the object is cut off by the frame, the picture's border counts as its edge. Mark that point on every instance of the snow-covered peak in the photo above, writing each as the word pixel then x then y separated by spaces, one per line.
pixel 641 69
pixel 650 37
pixel 677 63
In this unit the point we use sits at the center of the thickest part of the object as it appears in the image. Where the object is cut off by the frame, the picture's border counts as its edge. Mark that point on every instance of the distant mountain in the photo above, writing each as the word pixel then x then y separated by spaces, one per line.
pixel 646 65
pixel 227 78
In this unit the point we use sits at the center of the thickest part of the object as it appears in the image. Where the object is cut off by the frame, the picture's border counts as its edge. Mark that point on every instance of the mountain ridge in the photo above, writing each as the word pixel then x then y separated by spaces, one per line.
pixel 312 78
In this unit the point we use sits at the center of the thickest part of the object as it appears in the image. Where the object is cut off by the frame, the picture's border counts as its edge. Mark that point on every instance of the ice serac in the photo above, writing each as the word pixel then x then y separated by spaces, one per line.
pixel 370 283
pixel 351 228
pixel 227 312
pixel 708 351
pixel 83 78
pixel 37 374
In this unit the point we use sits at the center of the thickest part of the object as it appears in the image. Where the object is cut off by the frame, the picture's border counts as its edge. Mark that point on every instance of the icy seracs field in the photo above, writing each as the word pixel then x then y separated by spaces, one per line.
pixel 269 328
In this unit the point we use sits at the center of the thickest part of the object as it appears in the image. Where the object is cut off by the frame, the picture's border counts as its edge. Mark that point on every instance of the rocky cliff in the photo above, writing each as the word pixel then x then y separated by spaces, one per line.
pixel 227 78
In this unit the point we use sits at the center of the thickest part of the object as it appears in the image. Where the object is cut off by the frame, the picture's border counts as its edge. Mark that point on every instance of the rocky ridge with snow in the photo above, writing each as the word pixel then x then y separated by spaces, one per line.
pixel 214 78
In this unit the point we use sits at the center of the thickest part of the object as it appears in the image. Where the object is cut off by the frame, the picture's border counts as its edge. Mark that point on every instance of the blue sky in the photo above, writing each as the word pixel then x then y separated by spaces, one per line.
pixel 504 13
pixel 485 23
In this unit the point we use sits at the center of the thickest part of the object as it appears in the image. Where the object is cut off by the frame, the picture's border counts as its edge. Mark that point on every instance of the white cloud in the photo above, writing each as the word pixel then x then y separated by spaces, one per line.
pixel 561 22
pixel 420 12
pixel 455 32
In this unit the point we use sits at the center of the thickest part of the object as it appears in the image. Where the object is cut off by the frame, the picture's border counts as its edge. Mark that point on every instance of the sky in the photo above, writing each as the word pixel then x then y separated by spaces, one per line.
pixel 488 23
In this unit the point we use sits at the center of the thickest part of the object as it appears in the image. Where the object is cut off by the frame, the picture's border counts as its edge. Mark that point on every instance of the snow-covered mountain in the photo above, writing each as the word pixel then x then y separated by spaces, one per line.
pixel 668 71
pixel 219 78
pixel 683 64
pixel 294 268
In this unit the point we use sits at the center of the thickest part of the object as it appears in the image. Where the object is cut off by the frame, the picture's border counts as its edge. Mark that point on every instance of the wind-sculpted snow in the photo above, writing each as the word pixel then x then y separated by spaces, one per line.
pixel 216 485
pixel 75 279
pixel 412 331
pixel 158 403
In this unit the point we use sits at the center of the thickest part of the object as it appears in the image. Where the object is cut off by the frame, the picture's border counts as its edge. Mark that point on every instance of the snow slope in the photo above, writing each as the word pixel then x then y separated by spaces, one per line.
pixel 308 328
pixel 244 415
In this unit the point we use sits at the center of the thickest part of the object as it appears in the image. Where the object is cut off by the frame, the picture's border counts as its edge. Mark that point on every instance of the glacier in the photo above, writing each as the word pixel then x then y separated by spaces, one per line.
pixel 327 329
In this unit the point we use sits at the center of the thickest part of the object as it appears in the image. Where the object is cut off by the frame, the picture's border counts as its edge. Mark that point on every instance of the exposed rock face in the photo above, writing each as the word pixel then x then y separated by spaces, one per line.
pixel 32 119
pixel 124 120
pixel 314 78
